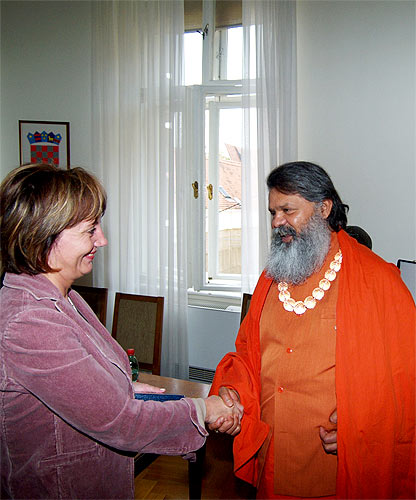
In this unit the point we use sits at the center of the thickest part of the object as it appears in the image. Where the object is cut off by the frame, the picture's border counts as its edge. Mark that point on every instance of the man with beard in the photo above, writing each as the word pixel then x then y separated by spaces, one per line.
pixel 324 361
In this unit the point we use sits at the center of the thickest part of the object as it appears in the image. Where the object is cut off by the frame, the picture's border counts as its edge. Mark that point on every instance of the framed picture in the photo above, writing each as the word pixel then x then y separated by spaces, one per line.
pixel 44 142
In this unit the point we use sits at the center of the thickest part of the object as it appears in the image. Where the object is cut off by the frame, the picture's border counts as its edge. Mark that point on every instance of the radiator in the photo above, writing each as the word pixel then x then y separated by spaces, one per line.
pixel 211 334
pixel 201 374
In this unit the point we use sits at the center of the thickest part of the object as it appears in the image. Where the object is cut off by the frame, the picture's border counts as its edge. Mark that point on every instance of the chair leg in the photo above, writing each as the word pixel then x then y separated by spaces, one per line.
pixel 143 460
pixel 195 473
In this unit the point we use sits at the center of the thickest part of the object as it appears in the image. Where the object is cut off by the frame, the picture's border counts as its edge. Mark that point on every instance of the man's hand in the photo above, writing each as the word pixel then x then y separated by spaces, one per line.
pixel 329 438
pixel 230 426
pixel 219 415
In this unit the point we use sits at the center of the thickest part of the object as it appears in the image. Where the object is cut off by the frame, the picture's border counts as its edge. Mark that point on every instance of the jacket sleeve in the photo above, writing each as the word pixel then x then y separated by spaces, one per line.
pixel 71 371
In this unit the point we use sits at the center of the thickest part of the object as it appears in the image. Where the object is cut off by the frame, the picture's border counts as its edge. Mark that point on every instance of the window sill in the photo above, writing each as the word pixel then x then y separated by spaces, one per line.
pixel 215 299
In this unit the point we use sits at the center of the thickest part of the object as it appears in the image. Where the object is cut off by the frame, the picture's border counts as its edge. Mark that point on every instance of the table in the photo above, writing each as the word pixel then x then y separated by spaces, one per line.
pixel 176 386
pixel 191 390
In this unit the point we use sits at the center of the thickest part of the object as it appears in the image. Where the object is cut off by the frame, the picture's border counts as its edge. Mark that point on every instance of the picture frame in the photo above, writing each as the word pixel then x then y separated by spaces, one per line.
pixel 44 142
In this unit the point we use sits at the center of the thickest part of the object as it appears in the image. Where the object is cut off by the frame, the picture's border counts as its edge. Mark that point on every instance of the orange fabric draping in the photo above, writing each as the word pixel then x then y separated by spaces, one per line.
pixel 266 491
pixel 375 379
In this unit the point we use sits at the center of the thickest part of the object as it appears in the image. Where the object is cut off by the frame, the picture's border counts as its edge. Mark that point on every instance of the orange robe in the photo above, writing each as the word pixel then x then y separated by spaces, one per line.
pixel 374 375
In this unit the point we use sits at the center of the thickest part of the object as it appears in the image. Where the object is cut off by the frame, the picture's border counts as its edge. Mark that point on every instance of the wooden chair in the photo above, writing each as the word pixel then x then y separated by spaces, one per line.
pixel 137 324
pixel 245 305
pixel 96 298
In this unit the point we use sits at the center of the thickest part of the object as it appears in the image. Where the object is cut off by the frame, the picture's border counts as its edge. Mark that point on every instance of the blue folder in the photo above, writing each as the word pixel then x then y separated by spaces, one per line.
pixel 157 397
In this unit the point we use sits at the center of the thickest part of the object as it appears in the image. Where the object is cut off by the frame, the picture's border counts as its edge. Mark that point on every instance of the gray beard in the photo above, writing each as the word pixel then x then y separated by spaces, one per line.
pixel 295 261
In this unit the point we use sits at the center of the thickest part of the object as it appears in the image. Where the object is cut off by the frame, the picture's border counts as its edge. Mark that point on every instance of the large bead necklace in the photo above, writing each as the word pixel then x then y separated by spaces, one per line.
pixel 300 306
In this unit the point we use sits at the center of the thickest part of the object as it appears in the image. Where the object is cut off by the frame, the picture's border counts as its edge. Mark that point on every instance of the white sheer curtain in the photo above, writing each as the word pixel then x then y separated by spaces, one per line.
pixel 137 148
pixel 270 75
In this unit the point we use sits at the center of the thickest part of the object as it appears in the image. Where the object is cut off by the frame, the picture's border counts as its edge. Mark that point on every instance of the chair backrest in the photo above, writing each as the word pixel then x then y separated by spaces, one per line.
pixel 408 272
pixel 360 235
pixel 137 324
pixel 245 304
pixel 96 298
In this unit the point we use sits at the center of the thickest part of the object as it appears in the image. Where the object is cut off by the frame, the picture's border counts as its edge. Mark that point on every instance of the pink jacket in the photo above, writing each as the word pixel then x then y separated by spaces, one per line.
pixel 70 425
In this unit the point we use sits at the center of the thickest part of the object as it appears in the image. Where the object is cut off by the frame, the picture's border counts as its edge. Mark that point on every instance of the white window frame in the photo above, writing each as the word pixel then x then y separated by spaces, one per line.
pixel 211 47
pixel 213 178
pixel 200 272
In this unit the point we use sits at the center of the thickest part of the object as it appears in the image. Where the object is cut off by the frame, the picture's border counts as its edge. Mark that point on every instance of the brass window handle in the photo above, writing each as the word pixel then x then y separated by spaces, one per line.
pixel 210 190
pixel 196 190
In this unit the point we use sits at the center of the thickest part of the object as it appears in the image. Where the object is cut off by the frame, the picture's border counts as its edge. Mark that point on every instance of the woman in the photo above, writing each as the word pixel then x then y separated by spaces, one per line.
pixel 69 422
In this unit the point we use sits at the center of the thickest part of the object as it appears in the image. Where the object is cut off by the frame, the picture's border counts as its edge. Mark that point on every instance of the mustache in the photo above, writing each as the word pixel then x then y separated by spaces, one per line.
pixel 284 231
pixel 294 262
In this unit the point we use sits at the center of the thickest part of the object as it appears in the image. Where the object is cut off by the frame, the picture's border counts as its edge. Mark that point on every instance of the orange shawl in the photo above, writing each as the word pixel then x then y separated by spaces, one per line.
pixel 375 379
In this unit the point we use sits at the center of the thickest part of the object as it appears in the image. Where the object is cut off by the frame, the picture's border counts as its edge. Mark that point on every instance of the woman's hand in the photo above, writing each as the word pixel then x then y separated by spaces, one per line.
pixel 228 425
pixel 147 388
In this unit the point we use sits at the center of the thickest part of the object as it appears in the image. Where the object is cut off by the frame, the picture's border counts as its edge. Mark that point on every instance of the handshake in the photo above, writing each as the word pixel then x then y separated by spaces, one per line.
pixel 224 412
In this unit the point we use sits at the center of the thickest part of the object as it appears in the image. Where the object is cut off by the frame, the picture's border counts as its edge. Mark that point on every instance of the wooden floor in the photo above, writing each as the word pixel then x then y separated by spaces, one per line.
pixel 167 477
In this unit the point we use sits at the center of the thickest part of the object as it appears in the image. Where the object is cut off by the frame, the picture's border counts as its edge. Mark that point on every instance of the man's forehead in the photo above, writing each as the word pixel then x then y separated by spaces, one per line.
pixel 278 198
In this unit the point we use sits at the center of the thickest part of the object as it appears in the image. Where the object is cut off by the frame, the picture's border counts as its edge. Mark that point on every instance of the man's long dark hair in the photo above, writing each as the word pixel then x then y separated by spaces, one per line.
pixel 312 183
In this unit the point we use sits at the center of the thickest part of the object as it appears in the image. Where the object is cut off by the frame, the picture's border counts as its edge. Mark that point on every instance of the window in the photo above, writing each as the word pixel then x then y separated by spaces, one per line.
pixel 213 66
pixel 213 41
pixel 223 134
pixel 228 50
pixel 193 58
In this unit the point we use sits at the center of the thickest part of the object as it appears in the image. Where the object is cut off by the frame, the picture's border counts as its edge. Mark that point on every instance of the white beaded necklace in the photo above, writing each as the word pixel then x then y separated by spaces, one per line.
pixel 300 306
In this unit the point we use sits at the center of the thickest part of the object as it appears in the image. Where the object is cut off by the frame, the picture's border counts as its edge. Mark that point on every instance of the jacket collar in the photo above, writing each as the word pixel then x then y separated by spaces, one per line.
pixel 37 285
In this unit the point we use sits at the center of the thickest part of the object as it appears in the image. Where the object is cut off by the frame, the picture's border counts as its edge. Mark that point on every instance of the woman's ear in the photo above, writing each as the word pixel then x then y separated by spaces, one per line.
pixel 326 207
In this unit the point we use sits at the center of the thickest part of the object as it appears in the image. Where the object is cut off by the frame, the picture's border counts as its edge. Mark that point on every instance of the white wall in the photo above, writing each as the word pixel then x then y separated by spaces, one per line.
pixel 45 73
pixel 356 74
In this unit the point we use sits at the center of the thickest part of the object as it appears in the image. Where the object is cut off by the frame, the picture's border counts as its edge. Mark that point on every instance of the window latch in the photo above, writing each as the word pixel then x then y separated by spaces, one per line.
pixel 203 32
pixel 195 187
pixel 210 190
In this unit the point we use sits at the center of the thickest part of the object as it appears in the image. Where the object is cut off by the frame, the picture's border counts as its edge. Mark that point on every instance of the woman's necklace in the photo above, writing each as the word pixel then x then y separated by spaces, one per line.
pixel 300 306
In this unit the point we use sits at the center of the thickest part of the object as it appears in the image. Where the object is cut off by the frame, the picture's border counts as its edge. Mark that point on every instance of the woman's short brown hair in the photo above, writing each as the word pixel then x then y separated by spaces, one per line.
pixel 37 202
